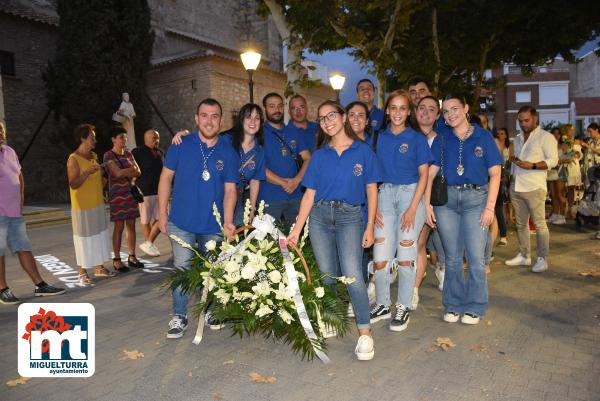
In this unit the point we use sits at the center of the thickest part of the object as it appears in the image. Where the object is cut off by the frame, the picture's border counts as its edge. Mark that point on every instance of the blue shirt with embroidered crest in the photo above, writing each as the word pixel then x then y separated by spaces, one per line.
pixel 479 153
pixel 280 161
pixel 342 177
pixel 308 134
pixel 376 118
pixel 193 198
pixel 251 164
pixel 401 155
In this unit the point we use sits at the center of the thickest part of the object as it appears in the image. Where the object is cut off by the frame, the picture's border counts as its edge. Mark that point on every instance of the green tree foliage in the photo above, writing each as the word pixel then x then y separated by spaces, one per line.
pixel 103 49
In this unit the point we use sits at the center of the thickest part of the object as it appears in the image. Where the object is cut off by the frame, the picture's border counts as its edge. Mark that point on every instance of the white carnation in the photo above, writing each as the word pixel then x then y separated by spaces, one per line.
pixel 232 277
pixel 320 292
pixel 211 245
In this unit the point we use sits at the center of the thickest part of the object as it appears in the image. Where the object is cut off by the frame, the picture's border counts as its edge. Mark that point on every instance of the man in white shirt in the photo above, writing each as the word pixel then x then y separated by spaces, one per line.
pixel 534 152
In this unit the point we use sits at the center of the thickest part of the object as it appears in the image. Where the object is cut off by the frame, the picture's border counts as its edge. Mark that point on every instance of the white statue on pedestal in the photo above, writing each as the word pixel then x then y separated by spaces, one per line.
pixel 125 116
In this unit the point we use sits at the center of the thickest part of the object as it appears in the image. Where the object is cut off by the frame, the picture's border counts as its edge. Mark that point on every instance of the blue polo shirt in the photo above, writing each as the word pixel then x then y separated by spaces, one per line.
pixel 279 160
pixel 376 118
pixel 342 177
pixel 251 164
pixel 308 134
pixel 400 156
pixel 193 198
pixel 479 154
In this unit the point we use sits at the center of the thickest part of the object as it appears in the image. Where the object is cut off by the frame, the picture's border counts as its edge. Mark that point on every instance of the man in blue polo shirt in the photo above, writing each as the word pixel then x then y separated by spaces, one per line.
pixel 204 169
pixel 365 92
pixel 282 190
pixel 307 130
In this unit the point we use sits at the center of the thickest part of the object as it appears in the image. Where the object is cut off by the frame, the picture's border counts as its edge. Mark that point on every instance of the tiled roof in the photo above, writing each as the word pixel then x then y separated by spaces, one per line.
pixel 40 11
pixel 587 106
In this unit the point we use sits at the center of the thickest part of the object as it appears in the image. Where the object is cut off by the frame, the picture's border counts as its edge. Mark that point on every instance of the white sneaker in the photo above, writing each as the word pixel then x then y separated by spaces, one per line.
pixel 365 348
pixel 371 293
pixel 451 317
pixel 540 266
pixel 440 276
pixel 518 260
pixel 149 248
pixel 469 318
pixel 350 310
pixel 559 220
pixel 415 299
pixel 552 218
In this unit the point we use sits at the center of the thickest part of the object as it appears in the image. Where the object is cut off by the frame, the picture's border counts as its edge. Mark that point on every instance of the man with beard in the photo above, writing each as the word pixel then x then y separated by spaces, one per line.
pixel 202 172
pixel 534 152
pixel 284 151
pixel 307 130
pixel 365 92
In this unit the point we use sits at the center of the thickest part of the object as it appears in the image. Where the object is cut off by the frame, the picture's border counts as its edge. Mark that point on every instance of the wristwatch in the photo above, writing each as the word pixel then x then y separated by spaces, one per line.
pixel 534 166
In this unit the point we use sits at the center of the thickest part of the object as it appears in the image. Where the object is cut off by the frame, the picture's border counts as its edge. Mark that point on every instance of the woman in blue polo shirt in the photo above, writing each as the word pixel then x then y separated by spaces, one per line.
pixel 404 157
pixel 342 176
pixel 358 116
pixel 247 140
pixel 469 159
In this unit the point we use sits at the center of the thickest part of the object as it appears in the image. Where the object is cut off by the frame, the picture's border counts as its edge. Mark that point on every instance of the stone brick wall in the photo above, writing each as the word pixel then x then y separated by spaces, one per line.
pixel 33 45
pixel 170 87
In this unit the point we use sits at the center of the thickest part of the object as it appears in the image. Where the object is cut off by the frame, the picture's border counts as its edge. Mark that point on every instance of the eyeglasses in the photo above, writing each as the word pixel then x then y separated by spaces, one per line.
pixel 328 117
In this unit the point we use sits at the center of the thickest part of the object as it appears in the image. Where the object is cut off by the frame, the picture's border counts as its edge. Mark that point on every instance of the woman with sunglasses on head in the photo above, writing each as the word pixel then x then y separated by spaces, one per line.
pixel 342 176
pixel 471 164
pixel 427 114
pixel 404 157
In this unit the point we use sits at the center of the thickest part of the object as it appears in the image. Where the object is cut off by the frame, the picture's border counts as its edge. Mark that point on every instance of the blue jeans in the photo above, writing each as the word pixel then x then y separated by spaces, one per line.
pixel 435 243
pixel 181 259
pixel 13 235
pixel 336 230
pixel 459 227
pixel 288 209
pixel 393 200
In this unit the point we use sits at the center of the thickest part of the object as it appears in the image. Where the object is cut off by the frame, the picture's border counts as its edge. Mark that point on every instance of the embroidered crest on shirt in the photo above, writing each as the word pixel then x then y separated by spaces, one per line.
pixel 478 151
pixel 404 148
pixel 251 165
pixel 293 144
pixel 358 169
pixel 219 165
pixel 374 123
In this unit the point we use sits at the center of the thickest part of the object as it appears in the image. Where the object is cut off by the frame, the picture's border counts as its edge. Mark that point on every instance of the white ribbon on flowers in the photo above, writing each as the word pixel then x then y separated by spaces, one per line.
pixel 264 226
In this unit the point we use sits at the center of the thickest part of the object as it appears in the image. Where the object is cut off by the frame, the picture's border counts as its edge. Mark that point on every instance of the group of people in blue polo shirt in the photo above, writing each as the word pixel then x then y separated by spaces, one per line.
pixel 364 177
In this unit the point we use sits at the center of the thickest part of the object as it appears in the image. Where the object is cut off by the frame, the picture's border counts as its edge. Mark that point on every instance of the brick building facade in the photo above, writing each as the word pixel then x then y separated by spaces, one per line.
pixel 195 55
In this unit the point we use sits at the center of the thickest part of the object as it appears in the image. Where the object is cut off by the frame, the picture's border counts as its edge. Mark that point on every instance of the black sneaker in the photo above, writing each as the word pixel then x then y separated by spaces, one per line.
pixel 177 326
pixel 400 321
pixel 380 312
pixel 213 323
pixel 45 290
pixel 7 297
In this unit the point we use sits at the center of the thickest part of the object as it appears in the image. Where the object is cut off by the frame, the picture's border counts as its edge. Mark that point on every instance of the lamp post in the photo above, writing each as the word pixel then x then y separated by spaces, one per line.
pixel 250 59
pixel 337 83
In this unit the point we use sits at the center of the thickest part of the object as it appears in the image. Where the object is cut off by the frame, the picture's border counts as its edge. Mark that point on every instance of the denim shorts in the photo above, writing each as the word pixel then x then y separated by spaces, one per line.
pixel 13 235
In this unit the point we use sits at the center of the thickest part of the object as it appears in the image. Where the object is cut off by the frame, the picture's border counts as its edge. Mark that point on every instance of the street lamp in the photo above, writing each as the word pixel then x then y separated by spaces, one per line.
pixel 250 59
pixel 337 83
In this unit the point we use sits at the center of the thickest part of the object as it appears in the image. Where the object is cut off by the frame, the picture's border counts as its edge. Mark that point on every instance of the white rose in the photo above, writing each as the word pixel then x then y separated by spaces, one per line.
pixel 285 316
pixel 320 292
pixel 232 266
pixel 262 288
pixel 232 277
pixel 274 276
pixel 211 245
pixel 248 271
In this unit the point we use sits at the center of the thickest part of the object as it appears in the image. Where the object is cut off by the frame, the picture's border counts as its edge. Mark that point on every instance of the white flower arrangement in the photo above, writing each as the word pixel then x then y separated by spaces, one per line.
pixel 250 288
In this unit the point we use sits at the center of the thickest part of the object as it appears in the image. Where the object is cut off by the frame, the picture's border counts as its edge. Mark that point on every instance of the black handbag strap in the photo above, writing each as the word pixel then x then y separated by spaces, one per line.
pixel 442 155
pixel 375 139
pixel 284 142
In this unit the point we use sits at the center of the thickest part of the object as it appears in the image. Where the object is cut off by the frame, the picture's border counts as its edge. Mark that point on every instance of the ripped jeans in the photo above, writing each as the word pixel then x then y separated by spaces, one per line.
pixel 393 244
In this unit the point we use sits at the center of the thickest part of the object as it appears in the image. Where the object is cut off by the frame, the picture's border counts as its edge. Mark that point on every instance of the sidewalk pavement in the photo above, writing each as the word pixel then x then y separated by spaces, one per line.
pixel 540 341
